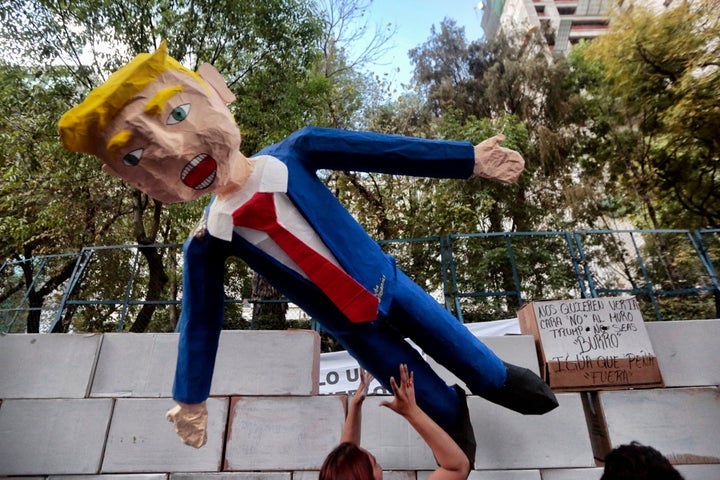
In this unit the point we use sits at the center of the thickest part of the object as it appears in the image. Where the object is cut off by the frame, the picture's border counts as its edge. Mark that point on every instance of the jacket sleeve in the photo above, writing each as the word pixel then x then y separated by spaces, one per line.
pixel 325 148
pixel 201 317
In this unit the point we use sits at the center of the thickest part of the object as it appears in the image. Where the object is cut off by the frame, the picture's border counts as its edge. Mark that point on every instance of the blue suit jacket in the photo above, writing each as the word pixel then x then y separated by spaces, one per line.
pixel 305 152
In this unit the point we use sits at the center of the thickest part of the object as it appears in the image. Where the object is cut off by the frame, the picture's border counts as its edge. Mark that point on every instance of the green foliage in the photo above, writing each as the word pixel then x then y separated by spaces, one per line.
pixel 661 147
pixel 50 201
pixel 666 264
pixel 409 115
pixel 515 82
pixel 342 66
pixel 652 88
pixel 42 190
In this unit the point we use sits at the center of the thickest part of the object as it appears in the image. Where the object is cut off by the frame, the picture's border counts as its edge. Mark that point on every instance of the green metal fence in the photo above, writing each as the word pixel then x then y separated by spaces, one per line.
pixel 478 276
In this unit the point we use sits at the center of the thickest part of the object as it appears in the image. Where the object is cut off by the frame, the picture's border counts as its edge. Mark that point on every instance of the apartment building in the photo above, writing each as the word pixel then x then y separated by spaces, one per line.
pixel 563 22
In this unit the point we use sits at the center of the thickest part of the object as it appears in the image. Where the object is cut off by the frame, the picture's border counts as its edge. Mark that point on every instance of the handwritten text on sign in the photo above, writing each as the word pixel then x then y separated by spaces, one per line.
pixel 604 339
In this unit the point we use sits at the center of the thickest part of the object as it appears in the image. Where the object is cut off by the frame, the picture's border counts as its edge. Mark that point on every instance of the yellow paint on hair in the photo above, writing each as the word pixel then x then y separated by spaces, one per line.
pixel 157 102
pixel 81 126
pixel 117 142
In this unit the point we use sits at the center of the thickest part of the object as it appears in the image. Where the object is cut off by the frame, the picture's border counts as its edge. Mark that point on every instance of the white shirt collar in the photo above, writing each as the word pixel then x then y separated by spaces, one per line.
pixel 268 175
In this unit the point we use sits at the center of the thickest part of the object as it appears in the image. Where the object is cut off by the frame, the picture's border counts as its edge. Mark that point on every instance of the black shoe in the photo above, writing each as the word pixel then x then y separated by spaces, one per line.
pixel 523 392
pixel 462 432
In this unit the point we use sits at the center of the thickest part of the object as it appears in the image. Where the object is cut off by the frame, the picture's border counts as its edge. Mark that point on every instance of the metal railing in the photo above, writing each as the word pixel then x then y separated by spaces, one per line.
pixel 478 276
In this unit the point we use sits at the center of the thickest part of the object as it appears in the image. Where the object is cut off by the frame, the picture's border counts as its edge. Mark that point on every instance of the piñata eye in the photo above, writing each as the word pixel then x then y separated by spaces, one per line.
pixel 133 158
pixel 178 114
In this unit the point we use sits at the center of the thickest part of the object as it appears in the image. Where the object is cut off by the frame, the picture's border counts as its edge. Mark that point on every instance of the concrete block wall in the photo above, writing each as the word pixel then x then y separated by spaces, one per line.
pixel 92 407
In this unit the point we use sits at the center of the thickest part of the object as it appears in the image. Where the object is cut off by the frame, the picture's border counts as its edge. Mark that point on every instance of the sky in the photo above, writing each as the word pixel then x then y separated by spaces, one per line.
pixel 413 20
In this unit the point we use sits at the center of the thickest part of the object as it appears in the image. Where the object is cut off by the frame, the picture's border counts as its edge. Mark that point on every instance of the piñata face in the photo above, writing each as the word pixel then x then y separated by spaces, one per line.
pixel 175 140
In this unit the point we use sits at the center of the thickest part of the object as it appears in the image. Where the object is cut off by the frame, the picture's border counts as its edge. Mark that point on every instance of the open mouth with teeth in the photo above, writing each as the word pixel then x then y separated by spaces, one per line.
pixel 200 172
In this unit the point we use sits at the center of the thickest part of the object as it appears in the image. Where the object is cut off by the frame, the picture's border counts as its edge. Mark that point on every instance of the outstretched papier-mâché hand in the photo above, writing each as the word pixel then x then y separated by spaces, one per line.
pixel 190 422
pixel 497 163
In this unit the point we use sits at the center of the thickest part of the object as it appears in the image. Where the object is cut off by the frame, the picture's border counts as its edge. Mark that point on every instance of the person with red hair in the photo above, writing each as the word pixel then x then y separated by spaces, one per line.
pixel 349 461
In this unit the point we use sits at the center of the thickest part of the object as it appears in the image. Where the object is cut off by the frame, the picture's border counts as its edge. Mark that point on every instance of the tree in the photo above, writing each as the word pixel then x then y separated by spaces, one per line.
pixel 50 202
pixel 654 86
pixel 661 147
pixel 512 77
pixel 442 67
pixel 349 45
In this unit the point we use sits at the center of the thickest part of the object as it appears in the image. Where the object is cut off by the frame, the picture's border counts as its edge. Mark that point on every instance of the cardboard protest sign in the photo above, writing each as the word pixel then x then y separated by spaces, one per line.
pixel 592 344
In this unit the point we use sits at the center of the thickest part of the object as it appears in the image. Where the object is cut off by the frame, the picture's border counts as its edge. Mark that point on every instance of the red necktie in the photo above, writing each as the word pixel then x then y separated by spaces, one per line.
pixel 354 300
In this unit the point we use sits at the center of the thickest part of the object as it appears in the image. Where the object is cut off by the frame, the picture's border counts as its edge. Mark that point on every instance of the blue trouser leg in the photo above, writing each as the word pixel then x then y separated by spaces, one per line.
pixel 441 336
pixel 380 349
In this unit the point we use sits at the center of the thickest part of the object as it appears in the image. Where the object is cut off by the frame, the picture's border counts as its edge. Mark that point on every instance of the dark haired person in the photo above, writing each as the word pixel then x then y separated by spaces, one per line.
pixel 638 462
pixel 349 461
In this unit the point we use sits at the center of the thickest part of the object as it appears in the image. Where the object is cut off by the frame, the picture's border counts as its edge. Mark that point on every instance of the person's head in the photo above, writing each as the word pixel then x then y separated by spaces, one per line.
pixel 638 462
pixel 164 129
pixel 350 462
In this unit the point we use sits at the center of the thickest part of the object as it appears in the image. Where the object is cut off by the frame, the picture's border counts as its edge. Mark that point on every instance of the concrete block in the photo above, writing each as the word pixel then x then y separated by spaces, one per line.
pixel 24 478
pixel 53 436
pixel 509 440
pixel 135 365
pixel 124 476
pixel 255 362
pixel 233 476
pixel 699 472
pixel 141 440
pixel 687 351
pixel 572 474
pixel 399 475
pixel 47 366
pixel 682 423
pixel 306 475
pixel 388 436
pixel 494 475
pixel 516 349
pixel 283 433
pixel 689 472
pixel 248 363
pixel 506 440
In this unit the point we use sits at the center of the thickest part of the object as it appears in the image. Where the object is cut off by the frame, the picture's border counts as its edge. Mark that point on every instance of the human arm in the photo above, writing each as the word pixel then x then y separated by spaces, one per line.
pixel 353 421
pixel 453 464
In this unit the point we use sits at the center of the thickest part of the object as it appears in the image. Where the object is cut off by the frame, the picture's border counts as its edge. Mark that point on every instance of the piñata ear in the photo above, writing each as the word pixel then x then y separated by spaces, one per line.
pixel 208 73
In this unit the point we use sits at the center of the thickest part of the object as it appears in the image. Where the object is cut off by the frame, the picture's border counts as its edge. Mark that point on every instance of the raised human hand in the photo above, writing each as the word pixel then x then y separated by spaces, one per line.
pixel 453 464
pixel 190 422
pixel 362 390
pixel 403 401
pixel 497 163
